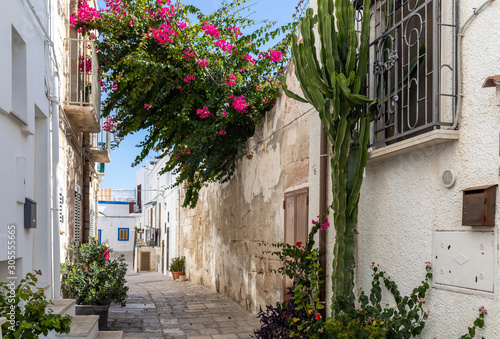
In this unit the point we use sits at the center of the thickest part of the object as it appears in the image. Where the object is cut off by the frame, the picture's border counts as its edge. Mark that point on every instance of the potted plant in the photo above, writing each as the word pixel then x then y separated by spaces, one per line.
pixel 95 280
pixel 177 267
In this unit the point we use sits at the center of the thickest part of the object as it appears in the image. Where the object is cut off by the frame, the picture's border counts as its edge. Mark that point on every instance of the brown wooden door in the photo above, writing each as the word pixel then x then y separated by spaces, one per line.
pixel 145 261
pixel 296 205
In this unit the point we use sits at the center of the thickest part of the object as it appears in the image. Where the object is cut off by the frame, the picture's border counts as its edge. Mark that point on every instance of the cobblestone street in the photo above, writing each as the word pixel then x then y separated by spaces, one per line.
pixel 159 307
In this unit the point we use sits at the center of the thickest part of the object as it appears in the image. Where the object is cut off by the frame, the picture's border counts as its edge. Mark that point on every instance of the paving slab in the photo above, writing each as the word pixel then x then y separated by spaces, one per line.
pixel 159 307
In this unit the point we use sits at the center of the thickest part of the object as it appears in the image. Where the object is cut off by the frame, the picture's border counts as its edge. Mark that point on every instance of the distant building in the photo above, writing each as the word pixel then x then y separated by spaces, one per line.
pixel 115 224
pixel 156 210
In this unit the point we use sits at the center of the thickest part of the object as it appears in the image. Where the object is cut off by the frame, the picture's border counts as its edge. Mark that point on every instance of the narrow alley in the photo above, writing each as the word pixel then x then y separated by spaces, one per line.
pixel 159 307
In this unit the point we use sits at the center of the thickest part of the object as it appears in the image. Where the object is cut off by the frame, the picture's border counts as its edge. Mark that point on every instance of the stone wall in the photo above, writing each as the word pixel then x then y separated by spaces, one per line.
pixel 226 239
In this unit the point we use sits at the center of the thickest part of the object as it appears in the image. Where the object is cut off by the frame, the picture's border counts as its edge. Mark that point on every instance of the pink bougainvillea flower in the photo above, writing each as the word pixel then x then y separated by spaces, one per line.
pixel 231 80
pixel 224 114
pixel 187 54
pixel 164 34
pixel 248 57
pixel 241 70
pixel 298 243
pixel 239 103
pixel 222 132
pixel 314 222
pixel 211 30
pixel 182 24
pixel 202 62
pixel 180 89
pixel 224 45
pixel 318 316
pixel 203 113
pixel 236 31
pixel 325 224
pixel 189 78
pixel 273 55
pixel 85 66
pixel 146 106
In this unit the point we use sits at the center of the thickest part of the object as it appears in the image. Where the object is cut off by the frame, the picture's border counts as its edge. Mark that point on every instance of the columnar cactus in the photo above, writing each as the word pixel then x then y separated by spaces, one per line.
pixel 333 81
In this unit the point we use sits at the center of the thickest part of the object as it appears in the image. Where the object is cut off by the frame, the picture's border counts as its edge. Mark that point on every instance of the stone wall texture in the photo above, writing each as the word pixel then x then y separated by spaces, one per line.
pixel 226 239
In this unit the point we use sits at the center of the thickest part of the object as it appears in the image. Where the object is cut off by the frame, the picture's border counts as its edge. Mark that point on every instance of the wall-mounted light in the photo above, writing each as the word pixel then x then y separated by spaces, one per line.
pixel 448 178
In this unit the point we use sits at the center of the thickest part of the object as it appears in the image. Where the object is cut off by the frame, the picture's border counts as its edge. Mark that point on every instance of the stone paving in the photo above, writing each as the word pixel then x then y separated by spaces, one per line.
pixel 159 307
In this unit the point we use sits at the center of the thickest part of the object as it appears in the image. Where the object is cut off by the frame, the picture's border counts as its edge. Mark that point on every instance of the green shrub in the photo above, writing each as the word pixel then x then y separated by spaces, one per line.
pixel 93 278
pixel 25 307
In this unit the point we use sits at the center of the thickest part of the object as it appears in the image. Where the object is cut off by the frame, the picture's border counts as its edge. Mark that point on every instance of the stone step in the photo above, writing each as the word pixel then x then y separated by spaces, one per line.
pixel 83 327
pixel 63 306
pixel 110 335
pixel 2 321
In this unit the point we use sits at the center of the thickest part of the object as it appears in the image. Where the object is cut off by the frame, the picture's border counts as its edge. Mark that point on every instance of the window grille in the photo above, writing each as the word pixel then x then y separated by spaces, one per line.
pixel 78 219
pixel 61 206
pixel 92 221
pixel 412 69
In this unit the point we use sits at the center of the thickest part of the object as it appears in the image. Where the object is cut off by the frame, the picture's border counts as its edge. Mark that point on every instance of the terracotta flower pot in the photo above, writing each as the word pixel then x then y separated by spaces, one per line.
pixel 176 275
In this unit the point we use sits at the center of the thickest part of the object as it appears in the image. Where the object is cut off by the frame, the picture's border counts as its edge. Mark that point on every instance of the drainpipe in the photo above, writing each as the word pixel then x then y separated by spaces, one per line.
pixel 459 60
pixel 322 209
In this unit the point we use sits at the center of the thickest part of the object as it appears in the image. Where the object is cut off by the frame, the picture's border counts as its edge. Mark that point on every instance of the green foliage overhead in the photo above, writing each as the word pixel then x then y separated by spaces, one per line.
pixel 195 82
pixel 27 310
pixel 92 277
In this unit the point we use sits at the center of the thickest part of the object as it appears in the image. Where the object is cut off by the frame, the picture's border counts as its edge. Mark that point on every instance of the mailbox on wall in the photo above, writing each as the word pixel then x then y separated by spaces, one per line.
pixel 479 206
pixel 29 213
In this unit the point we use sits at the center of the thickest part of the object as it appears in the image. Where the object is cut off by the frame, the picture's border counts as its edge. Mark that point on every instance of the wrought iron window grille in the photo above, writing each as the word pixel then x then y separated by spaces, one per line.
pixel 412 67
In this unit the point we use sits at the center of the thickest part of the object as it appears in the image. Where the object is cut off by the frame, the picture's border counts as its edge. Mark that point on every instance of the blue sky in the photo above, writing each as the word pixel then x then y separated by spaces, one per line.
pixel 119 173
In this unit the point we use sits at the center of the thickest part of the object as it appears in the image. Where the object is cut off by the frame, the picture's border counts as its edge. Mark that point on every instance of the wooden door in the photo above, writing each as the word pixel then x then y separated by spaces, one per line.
pixel 296 205
pixel 145 261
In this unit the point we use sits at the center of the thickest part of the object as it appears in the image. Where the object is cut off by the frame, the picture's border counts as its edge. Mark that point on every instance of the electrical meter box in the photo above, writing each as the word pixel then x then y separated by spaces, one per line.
pixel 464 259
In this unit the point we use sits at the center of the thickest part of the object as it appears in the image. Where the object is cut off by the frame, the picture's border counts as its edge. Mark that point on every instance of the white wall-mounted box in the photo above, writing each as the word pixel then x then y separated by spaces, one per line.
pixel 464 259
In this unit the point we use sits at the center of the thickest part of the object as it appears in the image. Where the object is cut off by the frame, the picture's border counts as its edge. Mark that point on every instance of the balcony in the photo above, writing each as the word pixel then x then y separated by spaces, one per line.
pixel 100 147
pixel 83 97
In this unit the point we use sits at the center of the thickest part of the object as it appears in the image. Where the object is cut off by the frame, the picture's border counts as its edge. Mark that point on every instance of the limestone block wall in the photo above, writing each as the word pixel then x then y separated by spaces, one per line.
pixel 226 239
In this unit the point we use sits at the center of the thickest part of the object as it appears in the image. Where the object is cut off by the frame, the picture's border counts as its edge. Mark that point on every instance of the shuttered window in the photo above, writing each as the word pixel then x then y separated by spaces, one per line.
pixel 123 234
pixel 296 205
pixel 77 230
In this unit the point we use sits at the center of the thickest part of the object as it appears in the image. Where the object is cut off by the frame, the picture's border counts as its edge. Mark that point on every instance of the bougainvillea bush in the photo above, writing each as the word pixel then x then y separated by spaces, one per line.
pixel 195 82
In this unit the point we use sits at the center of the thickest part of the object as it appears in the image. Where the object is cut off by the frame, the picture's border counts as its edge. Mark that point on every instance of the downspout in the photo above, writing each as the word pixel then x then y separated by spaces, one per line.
pixel 459 60
pixel 322 209
pixel 56 254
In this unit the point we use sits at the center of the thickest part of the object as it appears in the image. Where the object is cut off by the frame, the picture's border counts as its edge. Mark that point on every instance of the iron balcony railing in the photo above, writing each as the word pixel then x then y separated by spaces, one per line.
pixel 83 85
pixel 412 70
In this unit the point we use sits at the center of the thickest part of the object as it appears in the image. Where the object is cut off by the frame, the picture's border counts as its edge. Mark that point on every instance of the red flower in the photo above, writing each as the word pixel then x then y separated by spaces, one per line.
pixel 298 244
pixel 318 316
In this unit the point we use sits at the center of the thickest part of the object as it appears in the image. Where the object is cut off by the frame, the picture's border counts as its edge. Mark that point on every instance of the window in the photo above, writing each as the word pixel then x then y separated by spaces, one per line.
pixel 412 67
pixel 139 198
pixel 99 234
pixel 19 77
pixel 123 234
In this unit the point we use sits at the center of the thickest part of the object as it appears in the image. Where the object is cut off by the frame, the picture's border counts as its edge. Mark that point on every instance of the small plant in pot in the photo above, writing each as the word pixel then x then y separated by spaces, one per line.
pixel 177 267
pixel 95 280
